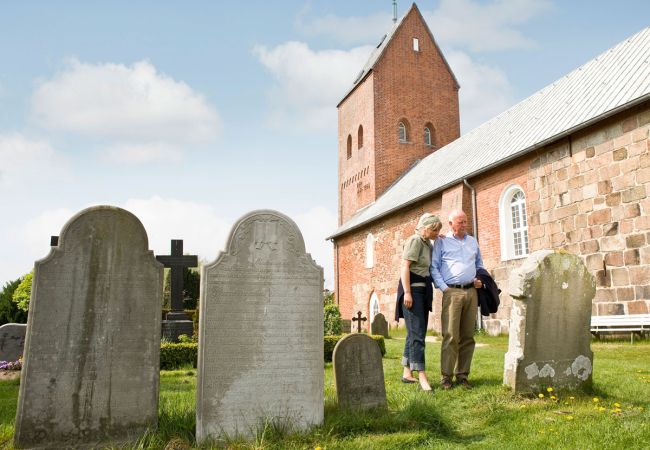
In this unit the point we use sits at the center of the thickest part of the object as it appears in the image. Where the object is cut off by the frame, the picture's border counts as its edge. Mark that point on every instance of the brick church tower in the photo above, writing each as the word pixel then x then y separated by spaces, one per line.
pixel 402 107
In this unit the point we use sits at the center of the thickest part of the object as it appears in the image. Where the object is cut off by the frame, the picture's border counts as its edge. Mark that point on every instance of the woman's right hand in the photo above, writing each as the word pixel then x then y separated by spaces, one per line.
pixel 408 300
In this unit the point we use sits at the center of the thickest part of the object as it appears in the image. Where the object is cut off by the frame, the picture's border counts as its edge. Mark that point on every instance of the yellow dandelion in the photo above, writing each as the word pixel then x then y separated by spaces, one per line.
pixel 569 417
pixel 540 395
pixel 553 397
pixel 601 408
pixel 549 389
pixel 572 398
pixel 618 405
pixel 595 399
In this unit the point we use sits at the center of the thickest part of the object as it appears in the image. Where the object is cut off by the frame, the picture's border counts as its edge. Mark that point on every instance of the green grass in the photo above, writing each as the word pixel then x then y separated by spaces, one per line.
pixel 489 416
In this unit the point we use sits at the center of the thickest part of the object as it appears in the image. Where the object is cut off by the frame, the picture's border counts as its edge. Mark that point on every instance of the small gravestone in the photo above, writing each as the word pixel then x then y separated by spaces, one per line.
pixel 359 373
pixel 91 367
pixel 346 326
pixel 549 324
pixel 12 341
pixel 379 325
pixel 260 332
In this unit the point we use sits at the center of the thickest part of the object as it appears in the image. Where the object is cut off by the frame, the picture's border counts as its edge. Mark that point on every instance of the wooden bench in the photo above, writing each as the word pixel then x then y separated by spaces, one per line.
pixel 630 323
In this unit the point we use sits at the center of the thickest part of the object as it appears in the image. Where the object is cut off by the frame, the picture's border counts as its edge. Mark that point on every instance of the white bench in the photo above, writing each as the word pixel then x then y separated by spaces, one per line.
pixel 630 323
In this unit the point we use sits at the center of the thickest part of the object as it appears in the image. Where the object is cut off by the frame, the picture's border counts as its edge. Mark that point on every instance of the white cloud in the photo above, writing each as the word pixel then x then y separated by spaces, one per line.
pixel 482 27
pixel 309 83
pixel 133 105
pixel 484 90
pixel 315 225
pixel 348 30
pixel 24 161
pixel 140 153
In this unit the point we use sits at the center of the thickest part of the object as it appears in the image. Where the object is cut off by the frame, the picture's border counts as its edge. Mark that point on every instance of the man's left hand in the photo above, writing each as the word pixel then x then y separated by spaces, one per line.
pixel 477 283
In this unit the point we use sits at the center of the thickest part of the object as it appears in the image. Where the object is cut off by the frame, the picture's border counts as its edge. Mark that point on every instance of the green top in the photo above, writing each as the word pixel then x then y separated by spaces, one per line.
pixel 418 250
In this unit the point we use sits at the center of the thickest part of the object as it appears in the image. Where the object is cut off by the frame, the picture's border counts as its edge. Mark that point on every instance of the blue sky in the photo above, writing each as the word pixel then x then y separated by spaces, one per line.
pixel 191 114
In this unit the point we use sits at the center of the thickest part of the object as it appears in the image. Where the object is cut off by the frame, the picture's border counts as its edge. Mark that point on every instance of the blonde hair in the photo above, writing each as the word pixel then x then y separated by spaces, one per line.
pixel 429 221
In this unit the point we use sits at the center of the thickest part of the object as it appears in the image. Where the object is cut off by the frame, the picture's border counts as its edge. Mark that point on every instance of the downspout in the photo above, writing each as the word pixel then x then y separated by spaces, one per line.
pixel 336 274
pixel 479 319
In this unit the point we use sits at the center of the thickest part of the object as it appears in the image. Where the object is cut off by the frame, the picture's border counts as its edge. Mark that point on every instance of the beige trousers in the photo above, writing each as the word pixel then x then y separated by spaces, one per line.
pixel 459 309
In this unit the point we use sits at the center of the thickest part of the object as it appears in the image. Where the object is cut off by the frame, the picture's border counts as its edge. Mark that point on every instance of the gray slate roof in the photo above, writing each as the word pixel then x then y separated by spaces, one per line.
pixel 615 80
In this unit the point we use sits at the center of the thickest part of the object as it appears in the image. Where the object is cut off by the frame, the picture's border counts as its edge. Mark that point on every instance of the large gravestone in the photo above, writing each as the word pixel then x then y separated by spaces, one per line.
pixel 379 325
pixel 12 341
pixel 359 373
pixel 549 324
pixel 260 332
pixel 91 367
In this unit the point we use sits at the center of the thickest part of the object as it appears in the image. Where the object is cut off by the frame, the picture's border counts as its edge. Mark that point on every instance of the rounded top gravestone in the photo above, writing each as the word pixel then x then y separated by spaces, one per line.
pixel 359 372
pixel 91 366
pixel 260 332
pixel 12 341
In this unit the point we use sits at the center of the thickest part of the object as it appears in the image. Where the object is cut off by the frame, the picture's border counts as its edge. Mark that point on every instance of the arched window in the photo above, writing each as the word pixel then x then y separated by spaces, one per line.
pixel 370 251
pixel 360 137
pixel 374 307
pixel 429 135
pixel 402 132
pixel 349 146
pixel 514 223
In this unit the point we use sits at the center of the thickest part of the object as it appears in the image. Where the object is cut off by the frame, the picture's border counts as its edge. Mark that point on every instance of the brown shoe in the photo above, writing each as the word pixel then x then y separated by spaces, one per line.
pixel 445 384
pixel 464 383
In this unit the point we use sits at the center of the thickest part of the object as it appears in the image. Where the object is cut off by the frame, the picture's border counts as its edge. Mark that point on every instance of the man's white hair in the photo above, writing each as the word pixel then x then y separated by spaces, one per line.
pixel 455 213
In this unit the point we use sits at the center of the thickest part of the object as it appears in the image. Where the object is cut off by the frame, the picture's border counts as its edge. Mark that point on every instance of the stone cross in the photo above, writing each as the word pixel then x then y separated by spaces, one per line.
pixel 359 319
pixel 54 241
pixel 177 262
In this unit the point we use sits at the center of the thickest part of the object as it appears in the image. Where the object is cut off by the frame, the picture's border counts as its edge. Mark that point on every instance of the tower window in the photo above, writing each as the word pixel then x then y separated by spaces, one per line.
pixel 416 45
pixel 360 137
pixel 429 135
pixel 402 132
pixel 349 146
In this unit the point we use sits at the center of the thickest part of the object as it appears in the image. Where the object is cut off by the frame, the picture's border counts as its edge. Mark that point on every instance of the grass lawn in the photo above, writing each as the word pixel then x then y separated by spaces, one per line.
pixel 616 415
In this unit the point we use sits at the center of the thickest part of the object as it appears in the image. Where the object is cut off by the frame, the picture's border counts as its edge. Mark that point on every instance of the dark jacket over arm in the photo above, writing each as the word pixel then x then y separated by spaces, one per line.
pixel 488 295
pixel 428 296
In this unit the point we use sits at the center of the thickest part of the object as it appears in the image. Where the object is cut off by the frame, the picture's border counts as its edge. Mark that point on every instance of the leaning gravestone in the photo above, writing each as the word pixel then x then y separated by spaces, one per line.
pixel 91 367
pixel 359 373
pixel 260 332
pixel 549 324
pixel 379 325
pixel 12 341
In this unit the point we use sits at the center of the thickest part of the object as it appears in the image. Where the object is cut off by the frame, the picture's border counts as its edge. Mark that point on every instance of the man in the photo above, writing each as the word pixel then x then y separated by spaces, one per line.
pixel 454 260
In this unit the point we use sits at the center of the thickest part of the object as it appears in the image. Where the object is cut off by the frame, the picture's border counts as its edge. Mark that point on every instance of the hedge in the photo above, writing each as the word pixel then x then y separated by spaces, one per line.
pixel 330 343
pixel 174 356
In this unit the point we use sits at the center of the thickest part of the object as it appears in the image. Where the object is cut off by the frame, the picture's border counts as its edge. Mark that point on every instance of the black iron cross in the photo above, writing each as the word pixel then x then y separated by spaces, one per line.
pixel 54 241
pixel 359 319
pixel 177 262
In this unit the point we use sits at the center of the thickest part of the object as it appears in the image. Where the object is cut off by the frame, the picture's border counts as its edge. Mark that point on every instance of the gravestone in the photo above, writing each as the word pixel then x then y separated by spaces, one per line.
pixel 358 372
pixel 379 325
pixel 549 324
pixel 346 326
pixel 177 321
pixel 260 332
pixel 91 366
pixel 12 341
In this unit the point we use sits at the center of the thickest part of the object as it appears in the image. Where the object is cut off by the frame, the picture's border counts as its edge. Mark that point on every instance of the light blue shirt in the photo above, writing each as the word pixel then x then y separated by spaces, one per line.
pixel 454 261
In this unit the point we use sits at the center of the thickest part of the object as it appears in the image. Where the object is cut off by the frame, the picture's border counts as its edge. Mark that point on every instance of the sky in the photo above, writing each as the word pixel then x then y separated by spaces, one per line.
pixel 192 114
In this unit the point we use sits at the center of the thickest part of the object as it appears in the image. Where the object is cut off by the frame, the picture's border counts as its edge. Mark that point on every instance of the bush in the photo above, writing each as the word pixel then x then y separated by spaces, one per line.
pixel 332 324
pixel 330 342
pixel 175 356
pixel 9 312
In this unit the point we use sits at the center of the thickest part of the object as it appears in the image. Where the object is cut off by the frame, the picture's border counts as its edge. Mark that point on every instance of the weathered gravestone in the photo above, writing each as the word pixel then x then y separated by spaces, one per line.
pixel 549 323
pixel 260 332
pixel 358 372
pixel 12 341
pixel 379 325
pixel 91 367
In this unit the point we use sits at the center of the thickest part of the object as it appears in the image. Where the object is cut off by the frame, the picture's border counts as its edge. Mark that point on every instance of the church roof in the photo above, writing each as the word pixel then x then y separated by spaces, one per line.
pixel 381 47
pixel 612 82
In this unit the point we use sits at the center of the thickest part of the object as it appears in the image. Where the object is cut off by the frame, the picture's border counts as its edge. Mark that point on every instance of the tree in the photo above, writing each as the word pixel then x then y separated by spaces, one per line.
pixel 23 292
pixel 9 312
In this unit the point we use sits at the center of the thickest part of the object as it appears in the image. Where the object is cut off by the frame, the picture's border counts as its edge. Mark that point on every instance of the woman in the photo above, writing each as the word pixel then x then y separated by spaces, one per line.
pixel 415 296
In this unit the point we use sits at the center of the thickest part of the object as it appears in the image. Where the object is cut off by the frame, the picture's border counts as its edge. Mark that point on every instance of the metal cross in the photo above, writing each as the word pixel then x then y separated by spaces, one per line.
pixel 359 319
pixel 54 241
pixel 177 262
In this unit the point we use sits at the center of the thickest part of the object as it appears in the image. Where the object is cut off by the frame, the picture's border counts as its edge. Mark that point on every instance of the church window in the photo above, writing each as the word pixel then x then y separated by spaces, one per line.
pixel 360 137
pixel 416 45
pixel 349 146
pixel 370 251
pixel 374 306
pixel 427 136
pixel 402 131
pixel 513 224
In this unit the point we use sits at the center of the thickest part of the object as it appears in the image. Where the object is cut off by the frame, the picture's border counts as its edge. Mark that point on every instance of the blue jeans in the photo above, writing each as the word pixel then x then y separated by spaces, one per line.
pixel 416 320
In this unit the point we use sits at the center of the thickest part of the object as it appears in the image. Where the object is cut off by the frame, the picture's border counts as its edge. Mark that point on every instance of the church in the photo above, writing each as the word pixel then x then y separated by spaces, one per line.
pixel 568 168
